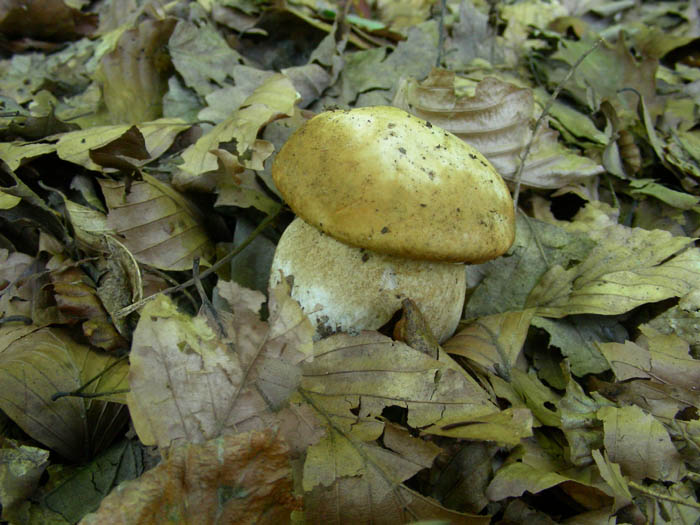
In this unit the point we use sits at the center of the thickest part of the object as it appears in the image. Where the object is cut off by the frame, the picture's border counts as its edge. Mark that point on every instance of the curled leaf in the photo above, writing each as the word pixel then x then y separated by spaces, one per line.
pixel 498 121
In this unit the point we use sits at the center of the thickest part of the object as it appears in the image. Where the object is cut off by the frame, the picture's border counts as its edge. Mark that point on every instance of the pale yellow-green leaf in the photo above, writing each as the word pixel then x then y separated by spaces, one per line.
pixel 640 444
pixel 75 146
pixel 275 97
pixel 237 186
pixel 8 201
pixel 156 223
pixel 13 153
pixel 677 199
pixel 534 466
pixel 506 427
pixel 514 479
pixel 88 224
pixel 627 268
pixel 540 399
pixel 612 475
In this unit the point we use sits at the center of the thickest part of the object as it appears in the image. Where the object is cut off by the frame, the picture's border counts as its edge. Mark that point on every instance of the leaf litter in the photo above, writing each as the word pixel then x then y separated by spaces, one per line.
pixel 136 139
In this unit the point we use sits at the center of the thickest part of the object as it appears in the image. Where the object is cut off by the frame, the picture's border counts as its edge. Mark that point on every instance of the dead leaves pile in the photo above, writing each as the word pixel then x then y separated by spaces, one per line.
pixel 569 393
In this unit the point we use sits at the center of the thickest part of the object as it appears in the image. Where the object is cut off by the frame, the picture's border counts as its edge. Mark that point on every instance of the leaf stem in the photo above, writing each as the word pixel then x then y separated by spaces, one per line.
pixel 544 114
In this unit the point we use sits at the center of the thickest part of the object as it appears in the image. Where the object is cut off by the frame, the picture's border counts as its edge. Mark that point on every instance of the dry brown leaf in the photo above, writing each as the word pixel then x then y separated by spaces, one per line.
pixel 190 384
pixel 241 479
pixel 78 301
pixel 156 223
pixel 497 121
pixel 52 20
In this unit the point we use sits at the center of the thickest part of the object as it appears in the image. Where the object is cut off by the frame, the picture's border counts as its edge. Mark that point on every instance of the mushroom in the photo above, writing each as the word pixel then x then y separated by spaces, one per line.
pixel 389 204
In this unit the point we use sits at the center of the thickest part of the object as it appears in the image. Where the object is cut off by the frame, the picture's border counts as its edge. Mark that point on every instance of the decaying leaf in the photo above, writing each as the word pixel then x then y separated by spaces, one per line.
pixel 370 372
pixel 497 121
pixel 78 489
pixel 370 499
pixel 640 444
pixel 35 364
pixel 77 301
pixel 156 223
pixel 530 468
pixel 612 475
pixel 201 56
pixel 190 384
pixel 508 280
pixel 21 467
pixel 243 478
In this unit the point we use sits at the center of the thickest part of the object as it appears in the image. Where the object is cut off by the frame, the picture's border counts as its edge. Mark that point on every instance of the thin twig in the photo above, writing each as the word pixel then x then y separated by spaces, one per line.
pixel 441 33
pixel 78 392
pixel 218 264
pixel 545 113
pixel 658 495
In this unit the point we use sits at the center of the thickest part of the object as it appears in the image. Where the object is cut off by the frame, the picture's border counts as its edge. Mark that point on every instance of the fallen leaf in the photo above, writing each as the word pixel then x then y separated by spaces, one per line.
pixel 79 489
pixel 509 279
pixel 52 20
pixel 243 478
pixel 190 384
pixel 133 76
pixel 274 98
pixel 201 56
pixel 369 372
pixel 364 500
pixel 494 342
pixel 77 300
pixel 497 120
pixel 640 444
pixel 21 467
pixel 628 267
pixel 75 146
pixel 35 364
pixel 156 223
pixel 612 475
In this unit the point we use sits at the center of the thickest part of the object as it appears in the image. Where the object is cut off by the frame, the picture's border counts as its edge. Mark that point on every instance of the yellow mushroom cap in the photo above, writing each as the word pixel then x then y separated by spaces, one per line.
pixel 382 179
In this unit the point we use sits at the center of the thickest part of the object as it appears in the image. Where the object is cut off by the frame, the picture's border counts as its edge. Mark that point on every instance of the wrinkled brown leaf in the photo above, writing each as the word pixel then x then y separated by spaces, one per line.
pixel 156 223
pixel 190 384
pixel 242 478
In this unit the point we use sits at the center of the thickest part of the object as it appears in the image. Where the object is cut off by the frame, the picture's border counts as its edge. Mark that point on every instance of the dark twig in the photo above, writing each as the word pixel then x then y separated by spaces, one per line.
pixel 545 113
